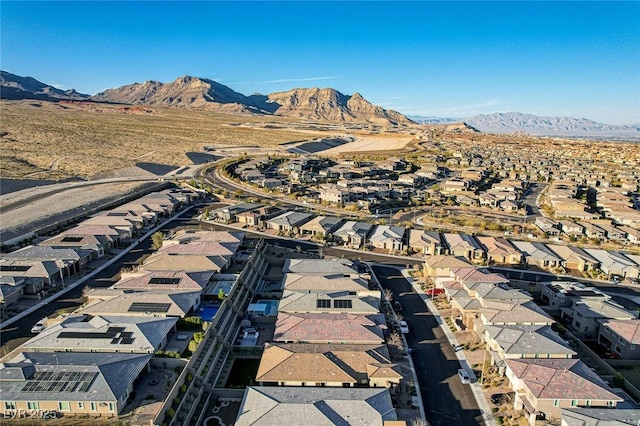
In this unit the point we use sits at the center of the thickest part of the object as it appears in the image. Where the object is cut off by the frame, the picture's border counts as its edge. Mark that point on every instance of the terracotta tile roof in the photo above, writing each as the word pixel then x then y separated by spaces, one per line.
pixel 325 363
pixel 629 330
pixel 561 379
pixel 327 328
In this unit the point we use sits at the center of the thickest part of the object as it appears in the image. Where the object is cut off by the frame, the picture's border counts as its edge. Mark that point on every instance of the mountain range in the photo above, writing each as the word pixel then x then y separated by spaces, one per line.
pixel 310 104
pixel 536 125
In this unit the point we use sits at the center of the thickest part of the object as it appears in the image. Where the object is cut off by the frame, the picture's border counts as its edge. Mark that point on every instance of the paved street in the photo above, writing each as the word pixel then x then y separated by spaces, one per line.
pixel 446 400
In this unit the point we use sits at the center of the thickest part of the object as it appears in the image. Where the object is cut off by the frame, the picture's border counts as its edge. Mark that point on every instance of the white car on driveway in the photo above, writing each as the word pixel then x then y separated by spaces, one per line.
pixel 404 327
pixel 39 326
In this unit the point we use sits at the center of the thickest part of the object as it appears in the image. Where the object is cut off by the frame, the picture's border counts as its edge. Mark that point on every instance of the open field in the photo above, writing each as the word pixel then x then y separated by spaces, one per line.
pixel 48 140
pixel 368 144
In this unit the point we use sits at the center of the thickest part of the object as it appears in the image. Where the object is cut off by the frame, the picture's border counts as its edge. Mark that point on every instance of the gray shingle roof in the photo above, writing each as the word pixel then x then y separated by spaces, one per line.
pixel 326 406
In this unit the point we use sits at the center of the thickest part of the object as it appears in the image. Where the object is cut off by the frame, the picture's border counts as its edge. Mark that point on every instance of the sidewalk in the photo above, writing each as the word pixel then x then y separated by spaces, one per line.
pixel 476 388
pixel 90 275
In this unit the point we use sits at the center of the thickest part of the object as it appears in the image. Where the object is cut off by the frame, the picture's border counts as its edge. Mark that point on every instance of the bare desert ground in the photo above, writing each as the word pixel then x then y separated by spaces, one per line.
pixel 369 144
pixel 46 140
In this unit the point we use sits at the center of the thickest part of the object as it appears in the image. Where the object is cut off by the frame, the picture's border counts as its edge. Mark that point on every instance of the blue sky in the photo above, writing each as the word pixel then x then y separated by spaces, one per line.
pixel 456 59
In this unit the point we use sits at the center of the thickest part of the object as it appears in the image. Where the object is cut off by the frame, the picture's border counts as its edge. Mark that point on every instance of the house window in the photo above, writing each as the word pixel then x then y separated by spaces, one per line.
pixel 93 406
pixel 609 403
pixel 556 402
pixel 111 406
pixel 617 349
pixel 64 406
pixel 574 402
pixel 80 405
pixel 9 405
pixel 33 405
pixel 632 346
pixel 588 403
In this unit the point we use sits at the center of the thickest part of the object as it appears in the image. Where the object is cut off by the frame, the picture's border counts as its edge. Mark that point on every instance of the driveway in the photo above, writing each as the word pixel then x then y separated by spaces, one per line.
pixel 446 400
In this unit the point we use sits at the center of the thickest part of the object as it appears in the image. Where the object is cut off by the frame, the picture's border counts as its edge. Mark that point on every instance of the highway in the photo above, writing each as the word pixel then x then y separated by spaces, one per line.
pixel 446 400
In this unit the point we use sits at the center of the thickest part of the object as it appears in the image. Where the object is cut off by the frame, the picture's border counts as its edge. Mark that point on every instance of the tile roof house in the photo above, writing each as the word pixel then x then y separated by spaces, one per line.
pixel 159 303
pixel 318 266
pixel 287 364
pixel 344 301
pixel 288 222
pixel 621 337
pixel 96 244
pixel 326 283
pixel 163 280
pixel 500 313
pixel 600 417
pixel 559 294
pixel 574 258
pixel 70 383
pixel 352 233
pixel 321 224
pixel 526 341
pixel 162 261
pixel 426 242
pixel 537 254
pixel 71 261
pixel 544 386
pixel 257 217
pixel 185 236
pixel 37 273
pixel 330 328
pixel 88 333
pixel 615 263
pixel 463 245
pixel 267 406
pixel 586 314
pixel 500 251
pixel 441 266
pixel 110 233
pixel 387 237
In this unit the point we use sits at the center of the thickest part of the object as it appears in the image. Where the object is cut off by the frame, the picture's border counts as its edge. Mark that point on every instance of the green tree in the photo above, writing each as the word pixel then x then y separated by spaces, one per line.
pixel 157 239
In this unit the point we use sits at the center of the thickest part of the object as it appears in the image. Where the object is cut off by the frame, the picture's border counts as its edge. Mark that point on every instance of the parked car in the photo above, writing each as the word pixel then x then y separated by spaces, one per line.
pixel 501 398
pixel 397 306
pixel 434 291
pixel 404 327
pixel 457 348
pixel 464 376
pixel 39 326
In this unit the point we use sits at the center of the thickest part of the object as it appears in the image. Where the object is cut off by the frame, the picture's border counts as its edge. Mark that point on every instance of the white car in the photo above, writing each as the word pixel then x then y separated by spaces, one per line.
pixel 404 327
pixel 464 376
pixel 39 326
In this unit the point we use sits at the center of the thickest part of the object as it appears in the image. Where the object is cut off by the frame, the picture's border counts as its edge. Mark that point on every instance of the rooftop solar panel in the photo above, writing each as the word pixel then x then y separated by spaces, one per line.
pixel 342 304
pixel 48 381
pixel 69 239
pixel 149 307
pixel 158 280
pixel 14 268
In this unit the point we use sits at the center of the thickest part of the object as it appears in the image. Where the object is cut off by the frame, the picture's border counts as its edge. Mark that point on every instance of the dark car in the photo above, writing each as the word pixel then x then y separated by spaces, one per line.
pixel 501 398
pixel 397 306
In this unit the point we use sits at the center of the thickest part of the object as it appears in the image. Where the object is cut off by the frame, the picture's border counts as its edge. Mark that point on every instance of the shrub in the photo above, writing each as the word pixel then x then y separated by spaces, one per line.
pixel 171 412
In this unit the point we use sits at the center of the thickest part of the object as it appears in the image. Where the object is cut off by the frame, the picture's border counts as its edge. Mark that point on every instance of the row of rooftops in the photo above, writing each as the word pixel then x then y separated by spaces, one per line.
pixel 317 344
pixel 32 268
pixel 518 335
pixel 115 334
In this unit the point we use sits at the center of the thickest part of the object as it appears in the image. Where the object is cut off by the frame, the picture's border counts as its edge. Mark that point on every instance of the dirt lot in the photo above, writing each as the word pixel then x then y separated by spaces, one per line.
pixel 50 140
pixel 367 144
